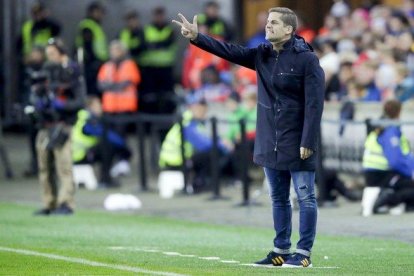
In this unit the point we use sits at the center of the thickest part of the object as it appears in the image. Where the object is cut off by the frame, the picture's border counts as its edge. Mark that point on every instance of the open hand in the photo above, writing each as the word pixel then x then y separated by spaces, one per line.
pixel 188 30
pixel 305 153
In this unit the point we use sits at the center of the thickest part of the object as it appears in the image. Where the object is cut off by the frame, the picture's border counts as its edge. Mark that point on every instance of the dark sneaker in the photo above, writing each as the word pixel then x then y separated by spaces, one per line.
pixel 42 212
pixel 298 260
pixel 274 258
pixel 63 209
pixel 384 199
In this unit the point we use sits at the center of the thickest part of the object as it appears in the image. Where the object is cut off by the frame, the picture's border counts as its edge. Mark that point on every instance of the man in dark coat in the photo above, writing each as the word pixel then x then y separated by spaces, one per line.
pixel 290 104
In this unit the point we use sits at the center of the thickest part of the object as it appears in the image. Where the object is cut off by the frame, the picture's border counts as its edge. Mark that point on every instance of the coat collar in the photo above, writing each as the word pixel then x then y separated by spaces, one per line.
pixel 296 43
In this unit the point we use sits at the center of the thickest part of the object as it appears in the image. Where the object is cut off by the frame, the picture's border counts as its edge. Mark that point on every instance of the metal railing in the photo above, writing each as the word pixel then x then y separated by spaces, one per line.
pixel 141 119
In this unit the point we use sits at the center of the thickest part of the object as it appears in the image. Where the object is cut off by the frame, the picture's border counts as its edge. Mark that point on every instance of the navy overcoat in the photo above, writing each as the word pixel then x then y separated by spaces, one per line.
pixel 290 99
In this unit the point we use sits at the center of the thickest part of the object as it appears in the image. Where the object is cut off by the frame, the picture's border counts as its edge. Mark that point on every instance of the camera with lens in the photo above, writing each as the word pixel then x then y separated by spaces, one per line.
pixel 41 97
pixel 39 83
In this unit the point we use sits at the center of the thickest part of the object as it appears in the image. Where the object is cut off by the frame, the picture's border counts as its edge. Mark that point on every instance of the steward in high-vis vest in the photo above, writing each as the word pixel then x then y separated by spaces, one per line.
pixel 88 145
pixel 158 59
pixel 388 162
pixel 132 36
pixel 197 143
pixel 91 44
pixel 118 80
pixel 87 136
pixel 216 26
pixel 81 142
pixel 38 30
pixel 170 154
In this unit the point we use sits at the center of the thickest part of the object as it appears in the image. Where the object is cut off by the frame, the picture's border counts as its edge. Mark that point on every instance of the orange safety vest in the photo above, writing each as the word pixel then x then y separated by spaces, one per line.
pixel 127 99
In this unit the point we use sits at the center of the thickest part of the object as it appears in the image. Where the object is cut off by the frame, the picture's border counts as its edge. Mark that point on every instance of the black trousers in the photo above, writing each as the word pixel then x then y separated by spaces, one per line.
pixel 402 186
pixel 105 154
pixel 201 169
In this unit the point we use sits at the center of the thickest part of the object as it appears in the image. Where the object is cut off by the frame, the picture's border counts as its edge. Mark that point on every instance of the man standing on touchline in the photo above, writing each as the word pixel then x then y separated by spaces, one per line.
pixel 289 111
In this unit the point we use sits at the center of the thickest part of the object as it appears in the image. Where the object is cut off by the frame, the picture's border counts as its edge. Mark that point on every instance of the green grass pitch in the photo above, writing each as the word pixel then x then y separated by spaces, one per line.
pixel 98 243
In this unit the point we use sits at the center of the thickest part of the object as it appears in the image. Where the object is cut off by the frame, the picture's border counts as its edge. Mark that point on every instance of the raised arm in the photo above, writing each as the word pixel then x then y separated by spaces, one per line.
pixel 234 53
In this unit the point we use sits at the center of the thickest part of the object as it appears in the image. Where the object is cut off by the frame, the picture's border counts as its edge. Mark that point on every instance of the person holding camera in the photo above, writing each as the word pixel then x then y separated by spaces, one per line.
pixel 57 95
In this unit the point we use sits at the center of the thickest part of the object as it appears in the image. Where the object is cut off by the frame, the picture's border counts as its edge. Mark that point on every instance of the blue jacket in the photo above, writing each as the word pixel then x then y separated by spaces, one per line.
pixel 200 141
pixel 290 99
pixel 94 127
pixel 389 139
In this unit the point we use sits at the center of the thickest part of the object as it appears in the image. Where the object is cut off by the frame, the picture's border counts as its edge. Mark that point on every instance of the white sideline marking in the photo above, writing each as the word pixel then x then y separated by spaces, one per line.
pixel 229 261
pixel 134 249
pixel 87 262
pixel 210 258
pixel 171 253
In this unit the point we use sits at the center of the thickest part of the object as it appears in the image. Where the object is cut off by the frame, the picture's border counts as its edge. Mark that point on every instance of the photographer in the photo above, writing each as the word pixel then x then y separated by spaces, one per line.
pixel 57 95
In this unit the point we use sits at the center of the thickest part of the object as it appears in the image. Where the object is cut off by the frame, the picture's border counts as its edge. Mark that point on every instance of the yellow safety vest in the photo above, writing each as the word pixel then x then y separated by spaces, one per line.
pixel 217 28
pixel 128 39
pixel 81 142
pixel 374 155
pixel 170 154
pixel 39 39
pixel 162 57
pixel 99 46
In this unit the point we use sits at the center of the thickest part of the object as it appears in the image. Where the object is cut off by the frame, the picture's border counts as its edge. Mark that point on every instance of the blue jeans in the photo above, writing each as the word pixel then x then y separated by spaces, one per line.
pixel 279 186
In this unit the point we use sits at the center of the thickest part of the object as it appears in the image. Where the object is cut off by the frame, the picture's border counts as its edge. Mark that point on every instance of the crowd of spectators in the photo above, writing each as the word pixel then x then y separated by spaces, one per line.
pixel 367 53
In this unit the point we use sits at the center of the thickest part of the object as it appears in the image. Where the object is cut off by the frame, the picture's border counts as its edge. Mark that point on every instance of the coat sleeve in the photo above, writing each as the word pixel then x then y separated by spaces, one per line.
pixel 314 100
pixel 390 142
pixel 231 52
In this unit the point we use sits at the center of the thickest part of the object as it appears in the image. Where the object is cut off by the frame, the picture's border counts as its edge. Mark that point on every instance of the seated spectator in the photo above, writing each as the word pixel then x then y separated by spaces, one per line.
pixel 212 88
pixel 345 77
pixel 247 110
pixel 198 144
pixel 405 84
pixel 243 77
pixel 304 30
pixel 365 80
pixel 196 60
pixel 88 144
pixel 388 163
pixel 259 36
pixel 330 63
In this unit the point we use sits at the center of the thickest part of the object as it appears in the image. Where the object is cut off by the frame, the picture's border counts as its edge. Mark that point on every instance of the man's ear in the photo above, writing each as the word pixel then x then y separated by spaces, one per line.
pixel 288 29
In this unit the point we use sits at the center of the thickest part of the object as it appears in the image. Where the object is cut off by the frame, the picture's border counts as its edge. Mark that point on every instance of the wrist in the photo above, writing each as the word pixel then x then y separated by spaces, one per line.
pixel 194 39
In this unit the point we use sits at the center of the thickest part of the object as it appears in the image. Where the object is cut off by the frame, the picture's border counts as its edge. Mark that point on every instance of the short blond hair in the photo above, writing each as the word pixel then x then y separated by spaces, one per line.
pixel 288 17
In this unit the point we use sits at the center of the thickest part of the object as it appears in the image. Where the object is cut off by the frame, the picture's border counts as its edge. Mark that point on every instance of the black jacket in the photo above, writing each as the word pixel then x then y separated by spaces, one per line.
pixel 290 99
pixel 63 95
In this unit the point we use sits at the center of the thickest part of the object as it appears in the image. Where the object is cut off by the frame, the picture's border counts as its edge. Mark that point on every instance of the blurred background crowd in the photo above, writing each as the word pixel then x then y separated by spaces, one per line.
pixel 122 62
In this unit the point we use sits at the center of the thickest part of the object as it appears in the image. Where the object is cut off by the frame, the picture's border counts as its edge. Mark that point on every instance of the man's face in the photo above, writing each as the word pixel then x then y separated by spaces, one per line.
pixel 116 52
pixel 39 15
pixel 159 18
pixel 212 12
pixel 199 111
pixel 53 54
pixel 98 14
pixel 133 22
pixel 276 31
pixel 96 107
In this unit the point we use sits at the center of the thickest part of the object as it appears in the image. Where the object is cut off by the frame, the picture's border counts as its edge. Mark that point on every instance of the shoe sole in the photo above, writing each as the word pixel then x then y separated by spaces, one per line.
pixel 295 266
